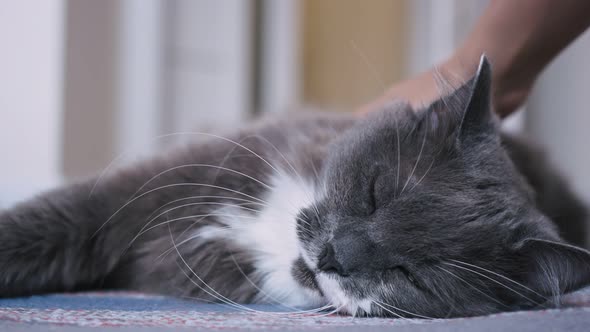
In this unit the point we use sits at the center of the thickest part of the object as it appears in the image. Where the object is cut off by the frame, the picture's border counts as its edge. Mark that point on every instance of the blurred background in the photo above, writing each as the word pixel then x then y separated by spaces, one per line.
pixel 82 81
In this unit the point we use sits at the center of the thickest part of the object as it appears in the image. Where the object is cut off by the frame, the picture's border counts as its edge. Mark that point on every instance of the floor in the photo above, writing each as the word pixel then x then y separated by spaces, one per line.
pixel 139 312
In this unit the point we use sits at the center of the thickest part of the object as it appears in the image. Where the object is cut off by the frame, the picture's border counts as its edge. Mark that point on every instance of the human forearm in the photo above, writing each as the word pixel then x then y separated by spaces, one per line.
pixel 519 37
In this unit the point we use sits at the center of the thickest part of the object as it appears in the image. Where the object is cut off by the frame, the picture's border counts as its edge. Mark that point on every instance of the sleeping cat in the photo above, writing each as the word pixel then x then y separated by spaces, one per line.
pixel 403 213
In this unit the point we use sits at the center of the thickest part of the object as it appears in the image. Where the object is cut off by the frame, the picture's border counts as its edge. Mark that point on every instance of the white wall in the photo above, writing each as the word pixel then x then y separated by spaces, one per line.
pixel 137 69
pixel 208 64
pixel 139 74
pixel 30 96
pixel 279 72
pixel 559 113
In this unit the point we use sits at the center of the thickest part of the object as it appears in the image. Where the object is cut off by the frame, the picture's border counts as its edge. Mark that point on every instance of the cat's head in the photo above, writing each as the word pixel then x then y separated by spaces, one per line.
pixel 424 214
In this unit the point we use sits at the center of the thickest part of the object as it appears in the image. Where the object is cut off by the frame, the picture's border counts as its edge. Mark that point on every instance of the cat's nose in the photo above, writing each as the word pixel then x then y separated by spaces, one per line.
pixel 328 263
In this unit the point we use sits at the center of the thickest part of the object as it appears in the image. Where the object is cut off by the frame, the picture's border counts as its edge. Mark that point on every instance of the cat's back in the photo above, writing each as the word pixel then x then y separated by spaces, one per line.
pixel 290 140
pixel 242 159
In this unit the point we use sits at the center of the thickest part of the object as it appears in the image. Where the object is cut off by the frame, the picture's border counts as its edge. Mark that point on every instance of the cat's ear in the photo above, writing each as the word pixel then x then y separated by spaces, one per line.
pixel 466 108
pixel 477 114
pixel 553 268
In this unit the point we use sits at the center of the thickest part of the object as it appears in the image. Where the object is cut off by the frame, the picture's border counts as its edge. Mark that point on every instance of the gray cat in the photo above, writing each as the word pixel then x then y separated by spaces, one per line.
pixel 404 213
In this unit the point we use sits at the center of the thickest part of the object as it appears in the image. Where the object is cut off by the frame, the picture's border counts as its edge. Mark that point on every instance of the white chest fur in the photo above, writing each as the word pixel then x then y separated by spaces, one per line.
pixel 271 238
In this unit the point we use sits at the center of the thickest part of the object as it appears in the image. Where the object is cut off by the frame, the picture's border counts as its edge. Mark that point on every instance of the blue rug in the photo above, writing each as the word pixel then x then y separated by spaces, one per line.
pixel 125 310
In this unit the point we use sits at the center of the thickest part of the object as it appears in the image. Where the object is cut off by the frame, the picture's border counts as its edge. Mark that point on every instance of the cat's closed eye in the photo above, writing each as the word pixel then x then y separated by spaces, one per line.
pixel 373 195
pixel 372 198
pixel 404 273
pixel 486 184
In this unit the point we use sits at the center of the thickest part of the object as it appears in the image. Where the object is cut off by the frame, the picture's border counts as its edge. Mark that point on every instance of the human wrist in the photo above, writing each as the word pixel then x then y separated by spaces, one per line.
pixel 510 86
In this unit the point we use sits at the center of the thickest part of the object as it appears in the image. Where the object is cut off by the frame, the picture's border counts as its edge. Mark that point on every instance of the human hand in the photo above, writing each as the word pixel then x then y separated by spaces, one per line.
pixel 423 89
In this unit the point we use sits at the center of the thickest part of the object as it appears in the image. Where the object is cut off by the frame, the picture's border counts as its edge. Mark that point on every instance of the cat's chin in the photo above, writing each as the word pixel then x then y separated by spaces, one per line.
pixel 341 302
pixel 326 289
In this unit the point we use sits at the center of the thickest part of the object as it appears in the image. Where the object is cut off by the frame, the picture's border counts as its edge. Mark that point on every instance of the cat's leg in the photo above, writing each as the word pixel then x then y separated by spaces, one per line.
pixel 55 242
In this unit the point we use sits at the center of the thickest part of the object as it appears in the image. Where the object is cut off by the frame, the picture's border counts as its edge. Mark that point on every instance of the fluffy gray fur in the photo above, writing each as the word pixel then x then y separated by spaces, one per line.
pixel 430 212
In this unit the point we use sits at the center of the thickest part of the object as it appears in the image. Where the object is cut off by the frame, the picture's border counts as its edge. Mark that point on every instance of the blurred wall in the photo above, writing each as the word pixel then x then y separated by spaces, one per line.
pixel 138 69
pixel 352 50
pixel 559 113
pixel 208 63
pixel 83 80
pixel 30 96
pixel 90 85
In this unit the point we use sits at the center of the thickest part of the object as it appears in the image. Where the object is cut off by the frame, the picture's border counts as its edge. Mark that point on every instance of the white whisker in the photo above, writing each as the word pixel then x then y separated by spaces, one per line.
pixel 171 186
pixel 399 148
pixel 405 311
pixel 266 295
pixel 493 280
pixel 417 159
pixel 194 236
pixel 378 78
pixel 213 293
pixel 499 275
pixel 473 287
pixel 199 165
pixel 297 174
pixel 124 153
pixel 423 176
pixel 389 311
pixel 206 196
pixel 214 214
pixel 141 231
